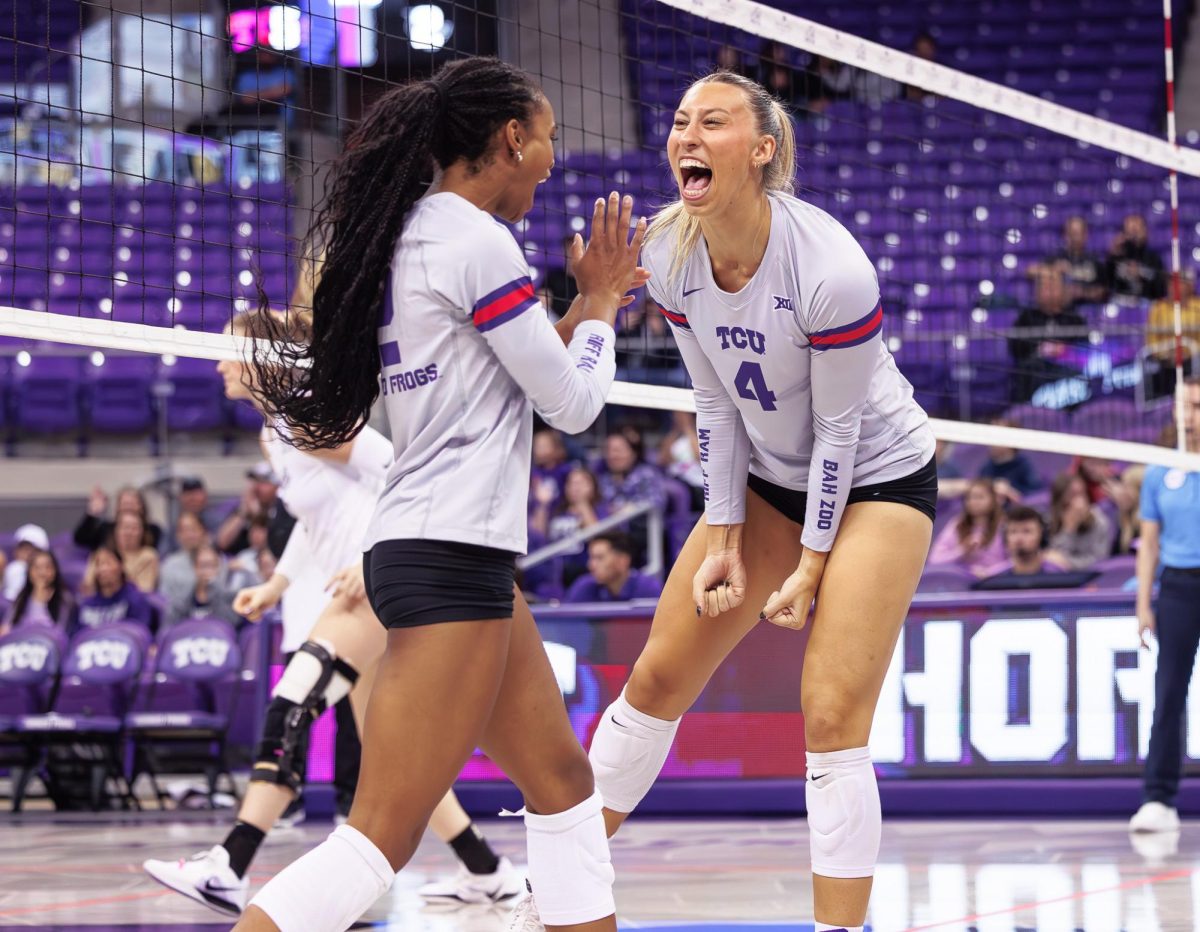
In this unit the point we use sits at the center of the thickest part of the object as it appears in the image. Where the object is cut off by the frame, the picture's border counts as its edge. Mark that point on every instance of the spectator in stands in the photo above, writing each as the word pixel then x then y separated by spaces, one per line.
pixel 561 279
pixel 548 473
pixel 1085 273
pixel 177 576
pixel 975 541
pixel 825 81
pixel 1025 544
pixel 679 454
pixel 1080 533
pixel 45 599
pixel 778 75
pixel 1170 514
pixel 95 528
pixel 114 598
pixel 625 479
pixel 924 46
pixel 1134 269
pixel 130 539
pixel 578 508
pixel 29 539
pixel 610 576
pixel 1160 334
pixel 951 482
pixel 210 597
pixel 1011 469
pixel 1056 324
pixel 260 498
pixel 193 499
pixel 730 59
pixel 242 570
pixel 266 563
pixel 1128 515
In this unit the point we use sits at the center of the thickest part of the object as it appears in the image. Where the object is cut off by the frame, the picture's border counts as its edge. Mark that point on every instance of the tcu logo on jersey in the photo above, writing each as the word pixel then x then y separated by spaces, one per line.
pixel 208 652
pixel 27 656
pixel 741 338
pixel 112 654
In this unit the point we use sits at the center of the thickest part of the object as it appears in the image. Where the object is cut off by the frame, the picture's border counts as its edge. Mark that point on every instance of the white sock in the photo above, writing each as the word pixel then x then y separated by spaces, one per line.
pixel 826 927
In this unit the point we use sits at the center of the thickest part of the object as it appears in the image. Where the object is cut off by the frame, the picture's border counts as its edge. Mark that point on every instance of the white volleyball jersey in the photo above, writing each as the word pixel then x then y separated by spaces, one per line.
pixel 791 377
pixel 468 353
pixel 331 501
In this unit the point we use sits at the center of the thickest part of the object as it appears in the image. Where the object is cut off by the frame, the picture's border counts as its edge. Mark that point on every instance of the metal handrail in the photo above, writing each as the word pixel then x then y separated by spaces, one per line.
pixel 570 544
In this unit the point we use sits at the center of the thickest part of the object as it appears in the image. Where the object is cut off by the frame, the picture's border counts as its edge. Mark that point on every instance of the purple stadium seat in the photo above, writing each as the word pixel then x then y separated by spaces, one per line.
pixel 1104 418
pixel 117 396
pixel 45 395
pixel 945 579
pixel 197 399
pixel 99 680
pixel 179 727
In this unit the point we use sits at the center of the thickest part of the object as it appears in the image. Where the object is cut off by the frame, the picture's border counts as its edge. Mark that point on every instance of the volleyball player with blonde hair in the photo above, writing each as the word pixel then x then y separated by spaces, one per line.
pixel 819 474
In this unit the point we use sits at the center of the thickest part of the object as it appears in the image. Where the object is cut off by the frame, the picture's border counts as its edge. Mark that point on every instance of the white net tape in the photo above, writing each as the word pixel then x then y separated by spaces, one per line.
pixel 142 338
pixel 775 25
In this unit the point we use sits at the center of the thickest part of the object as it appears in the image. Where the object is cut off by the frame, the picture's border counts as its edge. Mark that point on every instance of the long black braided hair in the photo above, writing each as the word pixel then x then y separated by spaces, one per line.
pixel 323 391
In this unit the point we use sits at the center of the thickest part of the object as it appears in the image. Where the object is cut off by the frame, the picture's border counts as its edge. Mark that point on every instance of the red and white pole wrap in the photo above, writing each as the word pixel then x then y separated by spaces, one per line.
pixel 1173 180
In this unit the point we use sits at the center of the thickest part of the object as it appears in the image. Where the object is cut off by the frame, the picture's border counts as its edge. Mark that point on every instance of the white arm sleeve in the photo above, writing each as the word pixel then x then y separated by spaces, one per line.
pixel 296 557
pixel 724 443
pixel 371 454
pixel 844 327
pixel 567 385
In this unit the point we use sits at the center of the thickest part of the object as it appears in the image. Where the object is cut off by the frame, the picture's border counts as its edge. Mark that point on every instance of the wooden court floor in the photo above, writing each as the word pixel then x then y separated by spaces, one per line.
pixel 710 875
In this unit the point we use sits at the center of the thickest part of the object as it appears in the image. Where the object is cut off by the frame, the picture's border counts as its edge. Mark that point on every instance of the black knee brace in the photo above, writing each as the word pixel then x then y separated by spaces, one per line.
pixel 314 680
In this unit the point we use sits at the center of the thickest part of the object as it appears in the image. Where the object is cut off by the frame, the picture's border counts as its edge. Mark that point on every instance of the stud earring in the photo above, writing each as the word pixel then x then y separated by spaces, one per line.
pixel 520 156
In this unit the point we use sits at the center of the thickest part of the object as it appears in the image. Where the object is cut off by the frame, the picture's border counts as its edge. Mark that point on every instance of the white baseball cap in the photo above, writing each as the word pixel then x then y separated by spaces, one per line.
pixel 33 534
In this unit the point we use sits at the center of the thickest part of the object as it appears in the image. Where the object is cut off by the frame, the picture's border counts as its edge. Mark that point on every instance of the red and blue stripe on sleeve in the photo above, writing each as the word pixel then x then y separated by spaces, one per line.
pixel 503 304
pixel 673 316
pixel 852 334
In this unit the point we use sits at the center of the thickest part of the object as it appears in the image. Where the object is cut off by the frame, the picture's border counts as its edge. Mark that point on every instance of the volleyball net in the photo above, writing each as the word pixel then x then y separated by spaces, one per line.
pixel 1013 188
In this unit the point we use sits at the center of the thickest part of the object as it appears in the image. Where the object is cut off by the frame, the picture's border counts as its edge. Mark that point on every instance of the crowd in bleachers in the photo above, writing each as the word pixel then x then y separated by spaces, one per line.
pixel 118 565
pixel 1011 520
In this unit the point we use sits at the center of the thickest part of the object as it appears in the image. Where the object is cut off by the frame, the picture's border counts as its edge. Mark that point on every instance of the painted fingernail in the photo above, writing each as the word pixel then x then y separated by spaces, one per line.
pixel 698 611
pixel 762 617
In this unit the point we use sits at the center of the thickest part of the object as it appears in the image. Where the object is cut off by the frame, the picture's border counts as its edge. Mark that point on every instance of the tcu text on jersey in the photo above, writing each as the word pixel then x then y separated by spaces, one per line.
pixel 742 338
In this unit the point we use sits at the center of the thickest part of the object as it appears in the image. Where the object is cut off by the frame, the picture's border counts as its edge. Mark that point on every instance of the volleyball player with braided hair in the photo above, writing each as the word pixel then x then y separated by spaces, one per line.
pixel 333 642
pixel 819 474
pixel 425 298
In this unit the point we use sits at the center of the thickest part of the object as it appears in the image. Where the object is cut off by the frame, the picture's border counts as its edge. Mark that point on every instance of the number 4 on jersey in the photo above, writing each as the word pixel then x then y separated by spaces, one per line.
pixel 750 383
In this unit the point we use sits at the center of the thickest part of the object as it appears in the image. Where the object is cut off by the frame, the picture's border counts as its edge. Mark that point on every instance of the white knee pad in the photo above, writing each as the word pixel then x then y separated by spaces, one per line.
pixel 628 751
pixel 844 821
pixel 329 888
pixel 570 870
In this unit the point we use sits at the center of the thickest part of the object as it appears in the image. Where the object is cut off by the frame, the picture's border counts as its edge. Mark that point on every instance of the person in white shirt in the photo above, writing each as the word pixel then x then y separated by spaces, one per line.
pixel 426 298
pixel 331 636
pixel 819 473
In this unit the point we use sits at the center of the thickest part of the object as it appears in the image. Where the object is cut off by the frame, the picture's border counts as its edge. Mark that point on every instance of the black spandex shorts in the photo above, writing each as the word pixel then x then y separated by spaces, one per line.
pixel 917 490
pixel 426 582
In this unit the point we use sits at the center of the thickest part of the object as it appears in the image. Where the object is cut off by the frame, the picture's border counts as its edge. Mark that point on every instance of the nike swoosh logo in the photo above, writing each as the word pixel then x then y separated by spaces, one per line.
pixel 217 887
pixel 821 776
pixel 618 724
pixel 693 291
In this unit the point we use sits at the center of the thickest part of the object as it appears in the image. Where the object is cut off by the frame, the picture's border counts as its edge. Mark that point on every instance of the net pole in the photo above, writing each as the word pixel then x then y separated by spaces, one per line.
pixel 1176 265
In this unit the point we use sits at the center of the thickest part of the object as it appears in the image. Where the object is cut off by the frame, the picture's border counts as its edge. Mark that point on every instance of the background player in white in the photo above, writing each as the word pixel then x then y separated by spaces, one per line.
pixel 776 311
pixel 426 297
pixel 334 639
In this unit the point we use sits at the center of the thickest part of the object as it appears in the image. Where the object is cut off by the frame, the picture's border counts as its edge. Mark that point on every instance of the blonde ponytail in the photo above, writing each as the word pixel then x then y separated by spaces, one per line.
pixel 772 119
